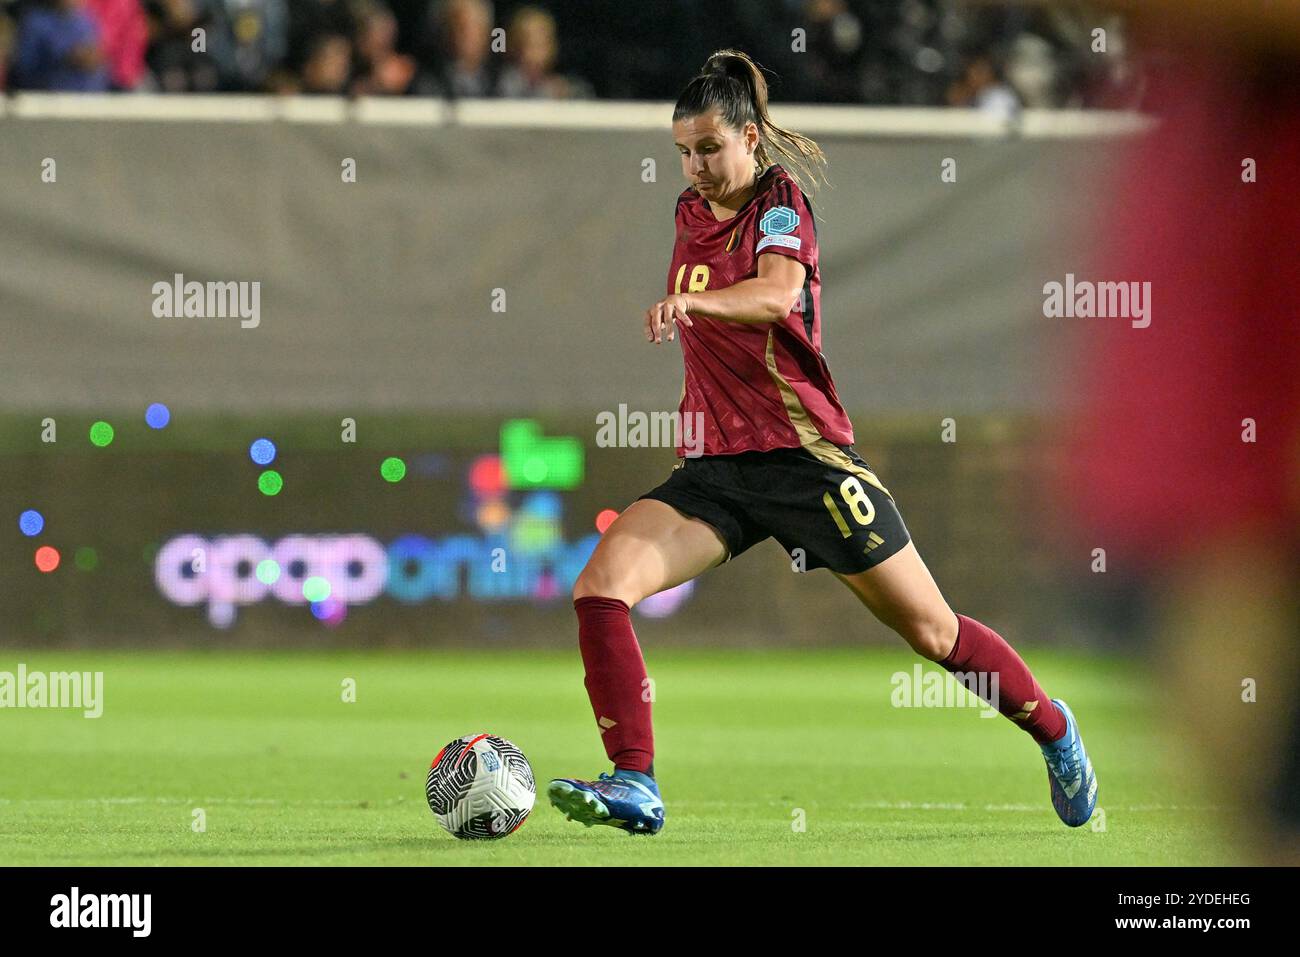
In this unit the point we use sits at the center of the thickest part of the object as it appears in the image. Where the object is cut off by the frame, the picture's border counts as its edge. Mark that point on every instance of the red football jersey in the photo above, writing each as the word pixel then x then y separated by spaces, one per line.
pixel 764 385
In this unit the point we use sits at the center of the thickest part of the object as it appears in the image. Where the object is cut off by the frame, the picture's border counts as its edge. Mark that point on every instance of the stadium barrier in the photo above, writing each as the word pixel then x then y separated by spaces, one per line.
pixel 487 263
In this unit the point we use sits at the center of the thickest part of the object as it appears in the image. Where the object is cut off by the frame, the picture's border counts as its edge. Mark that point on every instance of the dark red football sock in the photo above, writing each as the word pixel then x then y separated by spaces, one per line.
pixel 616 681
pixel 981 650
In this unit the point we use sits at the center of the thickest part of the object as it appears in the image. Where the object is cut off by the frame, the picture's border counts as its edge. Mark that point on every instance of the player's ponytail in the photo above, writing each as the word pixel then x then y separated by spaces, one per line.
pixel 733 84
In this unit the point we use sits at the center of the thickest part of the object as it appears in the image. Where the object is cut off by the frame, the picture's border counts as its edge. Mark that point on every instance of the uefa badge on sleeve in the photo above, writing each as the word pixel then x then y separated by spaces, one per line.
pixel 777 226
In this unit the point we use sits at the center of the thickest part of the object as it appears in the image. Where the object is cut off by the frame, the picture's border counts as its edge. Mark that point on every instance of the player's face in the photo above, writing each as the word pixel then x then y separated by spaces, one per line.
pixel 717 161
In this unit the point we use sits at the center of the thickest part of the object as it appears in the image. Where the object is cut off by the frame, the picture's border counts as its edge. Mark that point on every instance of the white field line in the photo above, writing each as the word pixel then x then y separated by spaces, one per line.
pixel 856 805
pixel 914 806
pixel 199 802
pixel 944 806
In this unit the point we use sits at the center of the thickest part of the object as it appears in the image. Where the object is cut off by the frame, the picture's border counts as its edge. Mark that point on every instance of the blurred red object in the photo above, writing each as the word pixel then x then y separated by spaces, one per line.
pixel 1162 458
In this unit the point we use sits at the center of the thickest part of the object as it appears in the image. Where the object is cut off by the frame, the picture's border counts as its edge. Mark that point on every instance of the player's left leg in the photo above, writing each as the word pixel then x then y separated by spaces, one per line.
pixel 902 594
pixel 826 505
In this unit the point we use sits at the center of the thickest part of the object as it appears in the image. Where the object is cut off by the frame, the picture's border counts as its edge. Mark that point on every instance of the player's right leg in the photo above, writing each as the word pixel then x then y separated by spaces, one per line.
pixel 651 546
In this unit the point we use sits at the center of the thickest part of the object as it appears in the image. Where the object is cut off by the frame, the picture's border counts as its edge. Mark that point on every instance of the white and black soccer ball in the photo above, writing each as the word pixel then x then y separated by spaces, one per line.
pixel 481 787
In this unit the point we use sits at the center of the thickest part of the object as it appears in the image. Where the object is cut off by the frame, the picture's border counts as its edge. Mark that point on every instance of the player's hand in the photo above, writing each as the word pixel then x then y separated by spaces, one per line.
pixel 666 313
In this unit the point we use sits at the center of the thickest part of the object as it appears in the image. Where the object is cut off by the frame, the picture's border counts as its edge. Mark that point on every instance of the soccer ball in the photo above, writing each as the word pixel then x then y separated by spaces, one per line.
pixel 480 787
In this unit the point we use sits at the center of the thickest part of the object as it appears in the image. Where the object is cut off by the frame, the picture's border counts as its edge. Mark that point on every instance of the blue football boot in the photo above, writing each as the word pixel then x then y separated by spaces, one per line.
pixel 1069 771
pixel 625 799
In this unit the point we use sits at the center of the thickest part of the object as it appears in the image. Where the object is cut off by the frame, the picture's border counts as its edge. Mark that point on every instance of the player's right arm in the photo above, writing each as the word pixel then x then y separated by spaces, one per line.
pixel 666 313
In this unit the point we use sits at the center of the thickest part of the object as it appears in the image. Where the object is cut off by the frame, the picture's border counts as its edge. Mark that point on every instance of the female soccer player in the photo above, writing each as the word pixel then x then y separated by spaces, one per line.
pixel 778 459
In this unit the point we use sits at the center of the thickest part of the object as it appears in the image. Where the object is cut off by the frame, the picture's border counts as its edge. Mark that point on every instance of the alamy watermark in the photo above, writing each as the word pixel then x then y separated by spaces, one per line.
pixel 208 300
pixel 53 689
pixel 640 430
pixel 934 689
pixel 129 911
pixel 1104 300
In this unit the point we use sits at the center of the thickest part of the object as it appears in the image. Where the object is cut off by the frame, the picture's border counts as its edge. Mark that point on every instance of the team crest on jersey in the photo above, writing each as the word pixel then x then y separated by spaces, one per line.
pixel 776 226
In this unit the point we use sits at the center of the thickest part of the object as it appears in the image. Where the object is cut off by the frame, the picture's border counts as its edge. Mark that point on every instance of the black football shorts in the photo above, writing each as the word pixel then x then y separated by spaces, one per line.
pixel 822 502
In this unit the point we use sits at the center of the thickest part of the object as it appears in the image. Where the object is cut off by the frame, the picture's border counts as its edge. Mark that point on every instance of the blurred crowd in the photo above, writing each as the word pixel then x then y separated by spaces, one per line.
pixel 906 52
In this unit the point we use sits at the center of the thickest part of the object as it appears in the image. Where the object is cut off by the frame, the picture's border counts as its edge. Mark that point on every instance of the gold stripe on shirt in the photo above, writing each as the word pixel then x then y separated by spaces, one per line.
pixel 821 448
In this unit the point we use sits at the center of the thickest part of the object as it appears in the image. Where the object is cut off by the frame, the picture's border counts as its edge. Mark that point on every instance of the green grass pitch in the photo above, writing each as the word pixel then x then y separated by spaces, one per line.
pixel 286 772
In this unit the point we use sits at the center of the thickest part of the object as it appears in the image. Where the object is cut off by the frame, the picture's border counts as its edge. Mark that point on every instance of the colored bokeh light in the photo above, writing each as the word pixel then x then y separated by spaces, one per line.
pixel 486 476
pixel 221 615
pixel 430 464
pixel 666 602
pixel 546 588
pixel 531 534
pixel 543 505
pixel 268 571
pixel 392 469
pixel 31 522
pixel 47 558
pixel 331 611
pixel 531 459
pixel 270 482
pixel 492 515
pixel 157 416
pixel 101 434
pixel 315 589
pixel 86 558
pixel 262 451
pixel 605 518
